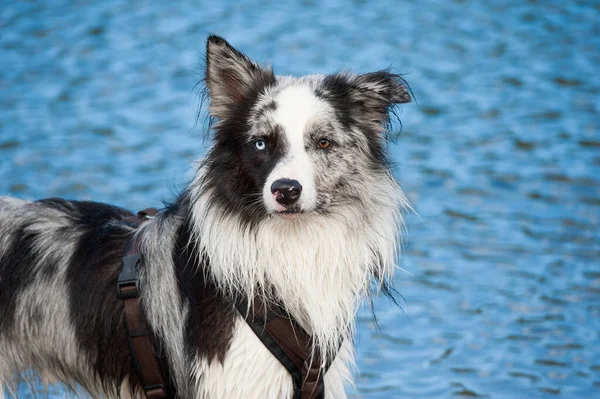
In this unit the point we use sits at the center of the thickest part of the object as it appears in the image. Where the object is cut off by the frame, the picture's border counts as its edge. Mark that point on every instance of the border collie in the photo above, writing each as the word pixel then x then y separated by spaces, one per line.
pixel 294 203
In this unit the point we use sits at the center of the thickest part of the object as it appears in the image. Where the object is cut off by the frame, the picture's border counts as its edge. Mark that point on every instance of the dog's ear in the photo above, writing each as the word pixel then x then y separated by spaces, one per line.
pixel 231 77
pixel 369 98
pixel 383 87
pixel 376 94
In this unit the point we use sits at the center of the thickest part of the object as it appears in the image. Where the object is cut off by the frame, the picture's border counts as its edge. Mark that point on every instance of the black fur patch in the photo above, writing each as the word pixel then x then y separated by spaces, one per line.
pixel 16 273
pixel 96 312
pixel 237 171
pixel 270 106
pixel 211 318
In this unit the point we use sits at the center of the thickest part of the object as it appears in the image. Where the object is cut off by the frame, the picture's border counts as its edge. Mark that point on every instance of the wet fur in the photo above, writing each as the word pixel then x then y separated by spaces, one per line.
pixel 222 238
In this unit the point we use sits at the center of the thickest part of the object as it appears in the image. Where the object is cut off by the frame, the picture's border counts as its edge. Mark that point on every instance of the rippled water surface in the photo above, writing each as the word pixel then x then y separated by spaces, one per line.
pixel 500 157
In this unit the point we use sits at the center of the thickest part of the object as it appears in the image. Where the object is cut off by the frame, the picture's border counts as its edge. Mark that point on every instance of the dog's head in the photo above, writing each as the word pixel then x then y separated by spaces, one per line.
pixel 291 147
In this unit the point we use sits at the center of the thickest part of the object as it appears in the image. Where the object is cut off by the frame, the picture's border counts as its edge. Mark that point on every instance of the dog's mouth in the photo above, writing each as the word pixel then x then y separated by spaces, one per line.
pixel 289 213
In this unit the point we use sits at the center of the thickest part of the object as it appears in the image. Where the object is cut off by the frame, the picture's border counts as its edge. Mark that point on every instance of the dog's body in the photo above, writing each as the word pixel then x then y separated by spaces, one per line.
pixel 294 203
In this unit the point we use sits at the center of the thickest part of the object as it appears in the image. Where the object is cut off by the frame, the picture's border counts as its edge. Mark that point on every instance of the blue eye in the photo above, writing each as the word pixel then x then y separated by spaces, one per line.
pixel 260 145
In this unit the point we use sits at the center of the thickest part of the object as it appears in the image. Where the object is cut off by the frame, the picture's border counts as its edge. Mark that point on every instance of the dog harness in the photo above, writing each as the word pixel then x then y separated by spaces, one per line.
pixel 147 363
pixel 281 335
pixel 290 344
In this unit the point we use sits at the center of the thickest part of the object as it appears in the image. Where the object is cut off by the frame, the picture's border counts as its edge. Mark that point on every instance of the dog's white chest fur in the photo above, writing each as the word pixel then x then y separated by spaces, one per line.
pixel 250 371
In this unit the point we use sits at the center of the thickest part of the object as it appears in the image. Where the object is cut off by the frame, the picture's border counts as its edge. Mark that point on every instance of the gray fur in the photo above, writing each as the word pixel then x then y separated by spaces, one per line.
pixel 42 336
pixel 161 298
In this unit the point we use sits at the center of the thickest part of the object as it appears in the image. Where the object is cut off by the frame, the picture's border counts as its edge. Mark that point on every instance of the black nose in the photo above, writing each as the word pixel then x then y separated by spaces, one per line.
pixel 286 191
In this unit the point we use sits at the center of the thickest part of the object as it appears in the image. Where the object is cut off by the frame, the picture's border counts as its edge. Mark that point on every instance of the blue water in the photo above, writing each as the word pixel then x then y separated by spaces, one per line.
pixel 501 159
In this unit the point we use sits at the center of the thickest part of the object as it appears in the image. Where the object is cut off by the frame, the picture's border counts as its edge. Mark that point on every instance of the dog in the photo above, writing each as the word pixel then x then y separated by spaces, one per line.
pixel 294 204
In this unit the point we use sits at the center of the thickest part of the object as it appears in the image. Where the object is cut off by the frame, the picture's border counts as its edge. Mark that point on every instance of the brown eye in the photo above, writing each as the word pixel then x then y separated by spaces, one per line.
pixel 324 144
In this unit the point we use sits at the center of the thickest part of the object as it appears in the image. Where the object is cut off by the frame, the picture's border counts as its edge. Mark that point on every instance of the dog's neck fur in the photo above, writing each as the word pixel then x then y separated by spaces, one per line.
pixel 316 266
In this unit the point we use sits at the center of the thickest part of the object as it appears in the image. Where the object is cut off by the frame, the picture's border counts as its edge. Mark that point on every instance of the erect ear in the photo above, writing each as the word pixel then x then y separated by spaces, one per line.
pixel 377 93
pixel 231 77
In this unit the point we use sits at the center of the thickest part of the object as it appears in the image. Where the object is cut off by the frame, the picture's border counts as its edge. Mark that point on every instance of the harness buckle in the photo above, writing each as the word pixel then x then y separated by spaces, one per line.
pixel 157 391
pixel 127 289
pixel 127 285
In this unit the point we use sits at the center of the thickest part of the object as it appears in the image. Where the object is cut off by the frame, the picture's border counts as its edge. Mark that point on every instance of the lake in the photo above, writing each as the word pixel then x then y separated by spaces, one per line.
pixel 500 156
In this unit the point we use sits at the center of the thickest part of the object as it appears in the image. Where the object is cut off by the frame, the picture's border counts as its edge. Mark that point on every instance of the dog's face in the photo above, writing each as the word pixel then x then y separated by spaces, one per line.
pixel 288 146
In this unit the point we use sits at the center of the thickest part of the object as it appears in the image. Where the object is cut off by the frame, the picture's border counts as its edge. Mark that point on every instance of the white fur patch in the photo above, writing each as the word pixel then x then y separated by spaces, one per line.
pixel 250 371
pixel 297 110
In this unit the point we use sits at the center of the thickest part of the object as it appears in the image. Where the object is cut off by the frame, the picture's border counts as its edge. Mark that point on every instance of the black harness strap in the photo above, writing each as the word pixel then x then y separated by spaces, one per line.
pixel 290 344
pixel 141 347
